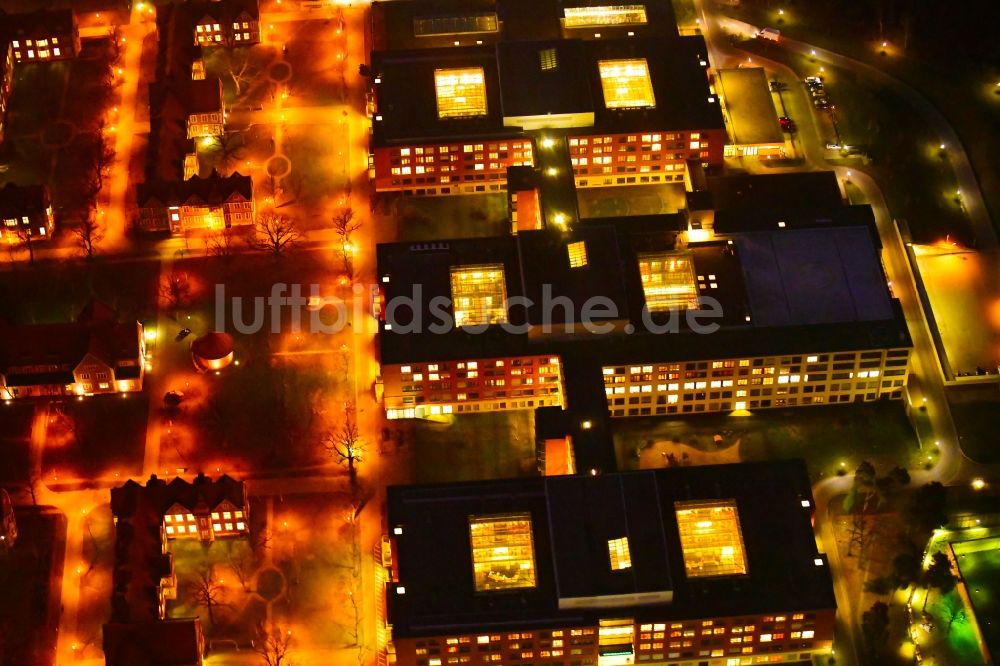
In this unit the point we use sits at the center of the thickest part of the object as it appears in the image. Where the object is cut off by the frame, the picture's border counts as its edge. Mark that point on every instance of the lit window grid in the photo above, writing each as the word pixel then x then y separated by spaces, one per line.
pixel 180 524
pixel 658 389
pixel 445 167
pixel 618 551
pixel 668 281
pixel 479 295
pixel 607 15
pixel 431 389
pixel 711 538
pixel 503 552
pixel 460 93
pixel 808 632
pixel 577 253
pixel 626 84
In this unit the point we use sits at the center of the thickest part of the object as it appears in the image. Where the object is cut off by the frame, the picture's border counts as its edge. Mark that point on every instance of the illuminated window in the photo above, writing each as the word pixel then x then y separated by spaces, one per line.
pixel 503 553
pixel 461 93
pixel 668 281
pixel 583 17
pixel 626 83
pixel 711 540
pixel 479 295
pixel 577 254
pixel 547 59
pixel 621 558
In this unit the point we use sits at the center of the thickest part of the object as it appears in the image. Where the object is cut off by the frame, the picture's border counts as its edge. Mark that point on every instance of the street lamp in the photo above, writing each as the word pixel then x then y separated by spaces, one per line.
pixel 978 484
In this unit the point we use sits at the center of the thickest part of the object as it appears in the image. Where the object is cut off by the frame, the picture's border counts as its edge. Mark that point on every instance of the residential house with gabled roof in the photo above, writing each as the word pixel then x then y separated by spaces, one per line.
pixel 6 81
pixel 213 202
pixel 146 516
pixel 25 210
pixel 96 354
pixel 41 35
pixel 225 22
pixel 200 102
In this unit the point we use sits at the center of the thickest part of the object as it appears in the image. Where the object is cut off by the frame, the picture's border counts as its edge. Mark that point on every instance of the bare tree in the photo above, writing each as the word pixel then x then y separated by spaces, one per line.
pixel 238 66
pixel 99 158
pixel 275 233
pixel 345 224
pixel 88 235
pixel 273 644
pixel 240 559
pixel 175 289
pixel 952 609
pixel 345 444
pixel 26 240
pixel 223 244
pixel 208 593
pixel 229 150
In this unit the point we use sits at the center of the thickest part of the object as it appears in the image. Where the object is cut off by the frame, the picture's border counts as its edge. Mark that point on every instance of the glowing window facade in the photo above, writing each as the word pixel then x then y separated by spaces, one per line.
pixel 503 552
pixel 479 295
pixel 577 254
pixel 461 93
pixel 711 539
pixel 626 84
pixel 618 550
pixel 668 281
pixel 585 17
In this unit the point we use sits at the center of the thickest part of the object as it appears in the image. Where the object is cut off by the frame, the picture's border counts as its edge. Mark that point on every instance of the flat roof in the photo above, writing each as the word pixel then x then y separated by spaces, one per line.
pixel 539 78
pixel 577 527
pixel 408 96
pixel 748 195
pixel 439 23
pixel 813 276
pixel 814 286
pixel 648 84
pixel 753 119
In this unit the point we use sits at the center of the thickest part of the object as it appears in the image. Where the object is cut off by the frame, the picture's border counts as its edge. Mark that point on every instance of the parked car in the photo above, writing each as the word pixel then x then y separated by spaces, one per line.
pixel 786 123
pixel 821 102
pixel 814 81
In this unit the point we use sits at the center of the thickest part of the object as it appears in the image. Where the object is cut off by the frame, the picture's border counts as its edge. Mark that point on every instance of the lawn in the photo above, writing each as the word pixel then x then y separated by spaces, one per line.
pixel 441 218
pixel 96 437
pixel 976 413
pixel 824 437
pixel 29 616
pixel 630 200
pixel 979 564
pixel 495 445
pixel 15 436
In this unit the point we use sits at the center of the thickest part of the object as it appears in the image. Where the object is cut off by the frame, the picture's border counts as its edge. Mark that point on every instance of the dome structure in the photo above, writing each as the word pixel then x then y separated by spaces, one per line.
pixel 212 351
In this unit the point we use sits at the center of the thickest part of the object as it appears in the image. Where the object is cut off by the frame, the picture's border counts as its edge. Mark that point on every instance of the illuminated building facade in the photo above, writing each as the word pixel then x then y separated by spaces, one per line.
pixel 94 355
pixel 213 202
pixel 675 566
pixel 225 22
pixel 145 517
pixel 41 36
pixel 25 211
pixel 6 81
pixel 833 335
pixel 632 108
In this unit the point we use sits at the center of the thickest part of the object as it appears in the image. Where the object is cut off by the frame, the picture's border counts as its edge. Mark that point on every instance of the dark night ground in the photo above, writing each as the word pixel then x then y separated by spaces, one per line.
pixel 28 573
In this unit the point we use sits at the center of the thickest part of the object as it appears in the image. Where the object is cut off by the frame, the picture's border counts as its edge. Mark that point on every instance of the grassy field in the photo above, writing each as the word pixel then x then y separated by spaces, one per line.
pixel 824 437
pixel 979 563
pixel 495 445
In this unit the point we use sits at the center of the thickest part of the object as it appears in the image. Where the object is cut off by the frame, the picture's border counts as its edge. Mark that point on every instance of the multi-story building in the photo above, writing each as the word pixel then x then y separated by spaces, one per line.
pixel 94 355
pixel 224 22
pixel 199 101
pixel 628 108
pixel 6 81
pixel 41 35
pixel 146 516
pixel 597 299
pixel 25 210
pixel 214 202
pixel 714 565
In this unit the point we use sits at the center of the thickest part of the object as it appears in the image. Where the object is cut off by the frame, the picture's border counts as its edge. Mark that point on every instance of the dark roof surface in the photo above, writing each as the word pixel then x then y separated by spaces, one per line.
pixel 803 191
pixel 407 97
pixel 153 643
pixel 528 90
pixel 42 23
pixel 572 520
pixel 805 288
pixel 20 200
pixel 213 189
pixel 161 495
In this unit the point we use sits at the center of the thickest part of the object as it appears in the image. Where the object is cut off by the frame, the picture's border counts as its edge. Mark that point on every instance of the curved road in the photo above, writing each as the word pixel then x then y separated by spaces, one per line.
pixel 928 380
